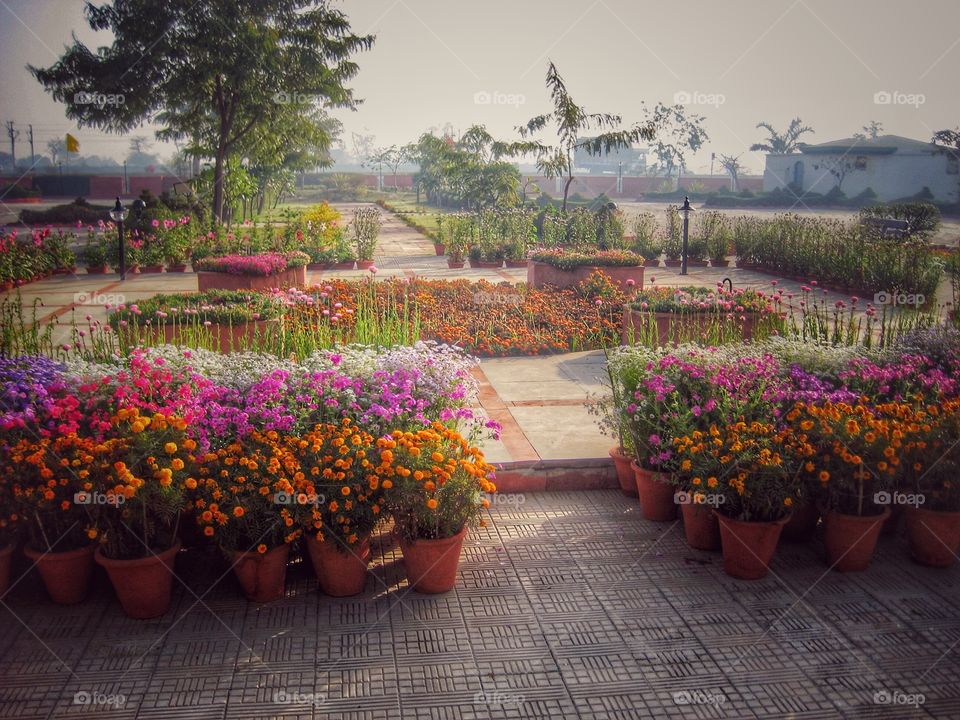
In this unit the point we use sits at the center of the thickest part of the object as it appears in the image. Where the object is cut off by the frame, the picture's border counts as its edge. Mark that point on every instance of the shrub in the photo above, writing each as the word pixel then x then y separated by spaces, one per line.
pixel 571 259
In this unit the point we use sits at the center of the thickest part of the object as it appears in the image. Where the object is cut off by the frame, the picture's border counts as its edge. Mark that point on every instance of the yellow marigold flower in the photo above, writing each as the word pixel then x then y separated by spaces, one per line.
pixel 170 448
pixel 788 502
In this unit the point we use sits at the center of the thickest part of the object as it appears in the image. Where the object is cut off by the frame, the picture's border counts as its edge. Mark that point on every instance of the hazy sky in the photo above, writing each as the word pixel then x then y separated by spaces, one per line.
pixel 835 64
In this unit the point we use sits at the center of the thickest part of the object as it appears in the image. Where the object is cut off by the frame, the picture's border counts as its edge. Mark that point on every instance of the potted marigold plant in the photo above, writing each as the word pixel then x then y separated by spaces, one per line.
pixel 338 501
pixel 243 501
pixel 52 480
pixel 933 471
pixel 434 483
pixel 748 471
pixel 857 466
pixel 151 458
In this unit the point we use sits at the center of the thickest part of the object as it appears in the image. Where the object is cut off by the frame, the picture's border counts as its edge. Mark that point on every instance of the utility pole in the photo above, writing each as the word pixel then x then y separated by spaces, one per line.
pixel 33 157
pixel 13 135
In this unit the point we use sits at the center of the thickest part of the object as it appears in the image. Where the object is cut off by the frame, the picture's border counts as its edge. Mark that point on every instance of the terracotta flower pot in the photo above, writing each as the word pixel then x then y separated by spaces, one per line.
pixel 934 536
pixel 625 476
pixel 341 571
pixel 651 262
pixel 143 585
pixel 516 263
pixel 97 270
pixel 365 264
pixel 432 564
pixel 176 268
pixel 66 575
pixel 151 269
pixel 440 248
pixel 719 262
pixel 850 539
pixel 748 547
pixel 262 577
pixel 656 496
pixel 455 264
pixel 6 557
pixel 671 262
pixel 701 527
pixel 802 523
pixel 345 265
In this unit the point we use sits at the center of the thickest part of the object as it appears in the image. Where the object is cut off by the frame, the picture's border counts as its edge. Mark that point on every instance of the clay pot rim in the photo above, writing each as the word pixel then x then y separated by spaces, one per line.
pixel 363 545
pixel 615 453
pixel 861 518
pixel 782 521
pixel 922 510
pixel 37 555
pixel 448 540
pixel 151 559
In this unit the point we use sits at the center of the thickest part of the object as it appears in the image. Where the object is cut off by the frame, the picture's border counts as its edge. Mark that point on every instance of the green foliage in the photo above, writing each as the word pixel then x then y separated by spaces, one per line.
pixel 922 218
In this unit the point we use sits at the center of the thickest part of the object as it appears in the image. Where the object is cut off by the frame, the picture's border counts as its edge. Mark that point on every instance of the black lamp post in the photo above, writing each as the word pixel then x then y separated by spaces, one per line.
pixel 118 215
pixel 686 210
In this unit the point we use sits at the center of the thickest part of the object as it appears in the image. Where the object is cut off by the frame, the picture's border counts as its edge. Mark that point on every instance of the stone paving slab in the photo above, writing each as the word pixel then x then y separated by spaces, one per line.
pixel 568 605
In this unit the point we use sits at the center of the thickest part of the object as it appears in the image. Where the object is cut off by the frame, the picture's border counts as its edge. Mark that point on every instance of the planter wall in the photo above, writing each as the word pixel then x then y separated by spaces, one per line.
pixel 226 338
pixel 635 321
pixel 227 281
pixel 540 274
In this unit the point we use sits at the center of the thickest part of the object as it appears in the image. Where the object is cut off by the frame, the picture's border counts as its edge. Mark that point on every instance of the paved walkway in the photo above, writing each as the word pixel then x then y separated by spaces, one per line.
pixel 568 605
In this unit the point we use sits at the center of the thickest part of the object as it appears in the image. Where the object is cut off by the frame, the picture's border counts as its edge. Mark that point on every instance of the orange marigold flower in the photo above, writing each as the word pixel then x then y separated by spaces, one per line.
pixel 432 503
pixel 238 511
pixel 261 548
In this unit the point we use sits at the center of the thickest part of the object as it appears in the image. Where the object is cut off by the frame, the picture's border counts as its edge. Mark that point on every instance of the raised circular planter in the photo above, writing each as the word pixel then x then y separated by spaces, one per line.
pixel 541 274
pixel 225 338
pixel 635 322
pixel 207 280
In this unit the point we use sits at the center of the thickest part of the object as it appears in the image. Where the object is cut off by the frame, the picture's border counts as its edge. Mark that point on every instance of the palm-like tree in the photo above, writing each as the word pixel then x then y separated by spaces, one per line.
pixel 782 143
pixel 570 120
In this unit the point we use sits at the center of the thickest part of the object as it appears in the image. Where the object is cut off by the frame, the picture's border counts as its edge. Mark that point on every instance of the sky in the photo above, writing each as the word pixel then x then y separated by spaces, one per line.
pixel 837 65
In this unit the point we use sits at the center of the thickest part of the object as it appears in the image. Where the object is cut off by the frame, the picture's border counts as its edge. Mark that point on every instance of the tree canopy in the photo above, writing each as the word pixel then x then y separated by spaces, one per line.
pixel 233 79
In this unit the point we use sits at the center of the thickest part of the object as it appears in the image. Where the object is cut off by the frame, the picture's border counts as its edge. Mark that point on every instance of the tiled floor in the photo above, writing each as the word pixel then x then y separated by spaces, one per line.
pixel 568 605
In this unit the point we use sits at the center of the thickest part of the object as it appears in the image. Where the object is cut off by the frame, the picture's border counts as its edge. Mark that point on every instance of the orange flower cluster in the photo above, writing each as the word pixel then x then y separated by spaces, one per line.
pixel 747 470
pixel 434 481
pixel 339 494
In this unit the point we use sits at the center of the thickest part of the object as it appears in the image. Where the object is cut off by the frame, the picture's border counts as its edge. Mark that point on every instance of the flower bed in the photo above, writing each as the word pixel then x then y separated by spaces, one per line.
pixel 663 316
pixel 758 431
pixel 252 272
pixel 564 268
pixel 24 260
pixel 250 450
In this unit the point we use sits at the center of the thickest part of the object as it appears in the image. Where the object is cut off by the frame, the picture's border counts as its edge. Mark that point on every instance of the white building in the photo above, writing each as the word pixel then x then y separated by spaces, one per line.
pixel 893 167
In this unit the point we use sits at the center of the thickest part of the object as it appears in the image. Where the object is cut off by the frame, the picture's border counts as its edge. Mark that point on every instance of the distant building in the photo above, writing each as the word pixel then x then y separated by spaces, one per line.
pixel 634 162
pixel 892 166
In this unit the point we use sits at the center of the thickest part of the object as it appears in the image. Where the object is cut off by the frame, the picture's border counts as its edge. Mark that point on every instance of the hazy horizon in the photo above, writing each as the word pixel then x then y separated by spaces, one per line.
pixel 438 62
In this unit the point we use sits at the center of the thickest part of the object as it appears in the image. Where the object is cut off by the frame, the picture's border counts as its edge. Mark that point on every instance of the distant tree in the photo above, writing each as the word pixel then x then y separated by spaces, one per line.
pixel 949 140
pixel 839 166
pixel 870 131
pixel 677 133
pixel 782 143
pixel 213 71
pixel 731 163
pixel 363 146
pixel 570 119
pixel 57 148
